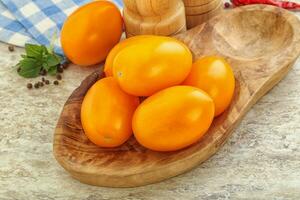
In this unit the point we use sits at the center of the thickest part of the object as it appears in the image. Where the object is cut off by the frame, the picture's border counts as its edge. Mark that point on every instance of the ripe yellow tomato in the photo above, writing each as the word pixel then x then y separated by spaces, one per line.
pixel 173 118
pixel 106 113
pixel 213 75
pixel 152 64
pixel 108 67
pixel 91 32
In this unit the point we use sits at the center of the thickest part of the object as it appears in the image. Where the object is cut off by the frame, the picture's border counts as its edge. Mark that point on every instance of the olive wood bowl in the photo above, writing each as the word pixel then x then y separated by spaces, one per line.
pixel 260 42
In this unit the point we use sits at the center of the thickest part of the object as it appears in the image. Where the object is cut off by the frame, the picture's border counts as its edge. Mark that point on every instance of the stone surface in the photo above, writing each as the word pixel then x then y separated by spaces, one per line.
pixel 260 161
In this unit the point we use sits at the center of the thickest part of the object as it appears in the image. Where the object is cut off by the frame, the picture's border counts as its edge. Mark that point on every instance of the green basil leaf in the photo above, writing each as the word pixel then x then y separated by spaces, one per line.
pixel 52 60
pixel 28 62
pixel 46 66
pixel 38 57
pixel 29 68
pixel 52 70
pixel 44 49
pixel 33 51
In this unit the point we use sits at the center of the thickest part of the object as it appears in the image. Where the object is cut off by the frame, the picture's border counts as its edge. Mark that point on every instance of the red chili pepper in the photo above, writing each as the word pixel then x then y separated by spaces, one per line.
pixel 289 5
pixel 283 4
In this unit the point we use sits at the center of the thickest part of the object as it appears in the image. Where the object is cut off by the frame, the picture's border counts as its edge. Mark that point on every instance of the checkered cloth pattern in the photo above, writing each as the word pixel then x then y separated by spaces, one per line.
pixel 36 21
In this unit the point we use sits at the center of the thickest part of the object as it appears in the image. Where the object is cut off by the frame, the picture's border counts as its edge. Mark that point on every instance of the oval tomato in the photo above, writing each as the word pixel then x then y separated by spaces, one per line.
pixel 213 75
pixel 152 64
pixel 90 32
pixel 106 113
pixel 173 118
pixel 108 67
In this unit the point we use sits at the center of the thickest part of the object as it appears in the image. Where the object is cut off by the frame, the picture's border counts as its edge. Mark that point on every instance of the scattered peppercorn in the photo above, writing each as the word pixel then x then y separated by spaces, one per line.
pixel 47 82
pixel 55 82
pixel 58 77
pixel 43 72
pixel 19 69
pixel 60 69
pixel 227 5
pixel 43 79
pixel 29 85
pixel 65 64
pixel 36 85
pixel 41 84
pixel 11 48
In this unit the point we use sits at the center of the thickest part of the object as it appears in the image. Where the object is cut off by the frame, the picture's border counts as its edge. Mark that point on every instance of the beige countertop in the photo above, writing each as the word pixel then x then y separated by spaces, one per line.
pixel 260 161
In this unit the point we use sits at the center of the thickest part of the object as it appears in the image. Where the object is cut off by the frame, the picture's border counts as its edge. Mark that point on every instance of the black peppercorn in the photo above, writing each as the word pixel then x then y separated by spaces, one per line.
pixel 36 85
pixel 41 84
pixel 19 69
pixel 43 72
pixel 65 64
pixel 47 82
pixel 55 82
pixel 58 77
pixel 60 69
pixel 11 48
pixel 43 79
pixel 29 85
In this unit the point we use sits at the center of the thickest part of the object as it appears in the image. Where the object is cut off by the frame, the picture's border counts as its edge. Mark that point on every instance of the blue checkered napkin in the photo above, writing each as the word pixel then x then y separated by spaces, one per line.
pixel 11 31
pixel 41 19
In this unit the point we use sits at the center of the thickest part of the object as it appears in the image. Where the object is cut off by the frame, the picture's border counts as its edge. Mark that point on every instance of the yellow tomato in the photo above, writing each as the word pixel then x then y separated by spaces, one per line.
pixel 108 68
pixel 173 118
pixel 106 113
pixel 213 75
pixel 91 32
pixel 152 64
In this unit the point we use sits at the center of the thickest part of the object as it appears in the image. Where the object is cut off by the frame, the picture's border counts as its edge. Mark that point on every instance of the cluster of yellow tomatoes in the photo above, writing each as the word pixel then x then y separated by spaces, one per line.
pixel 152 87
pixel 180 102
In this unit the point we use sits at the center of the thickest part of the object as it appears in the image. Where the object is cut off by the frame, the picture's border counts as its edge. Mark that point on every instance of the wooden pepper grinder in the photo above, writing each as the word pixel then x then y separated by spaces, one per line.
pixel 200 11
pixel 154 17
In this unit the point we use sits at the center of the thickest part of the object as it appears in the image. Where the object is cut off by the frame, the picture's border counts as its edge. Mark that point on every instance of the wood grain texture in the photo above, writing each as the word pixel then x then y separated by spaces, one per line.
pixel 159 17
pixel 195 19
pixel 260 42
pixel 181 30
pixel 201 9
pixel 191 3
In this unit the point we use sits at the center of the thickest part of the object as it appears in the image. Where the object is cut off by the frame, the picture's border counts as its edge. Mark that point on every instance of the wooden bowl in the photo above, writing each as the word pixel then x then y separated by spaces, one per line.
pixel 260 42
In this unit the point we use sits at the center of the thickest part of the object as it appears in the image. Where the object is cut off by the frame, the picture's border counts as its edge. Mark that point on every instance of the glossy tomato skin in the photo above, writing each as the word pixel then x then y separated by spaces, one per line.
pixel 106 113
pixel 91 32
pixel 152 64
pixel 173 118
pixel 108 67
pixel 215 76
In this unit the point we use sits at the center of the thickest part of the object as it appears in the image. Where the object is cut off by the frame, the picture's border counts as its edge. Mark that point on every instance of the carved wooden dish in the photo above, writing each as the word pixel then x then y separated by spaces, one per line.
pixel 260 42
